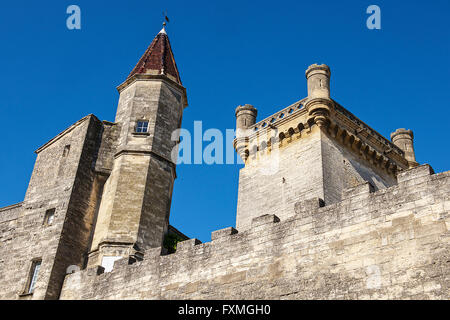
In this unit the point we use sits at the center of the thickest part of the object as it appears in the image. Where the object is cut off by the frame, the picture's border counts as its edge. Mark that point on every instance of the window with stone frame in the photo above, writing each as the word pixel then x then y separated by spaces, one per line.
pixel 49 217
pixel 66 150
pixel 142 126
pixel 33 276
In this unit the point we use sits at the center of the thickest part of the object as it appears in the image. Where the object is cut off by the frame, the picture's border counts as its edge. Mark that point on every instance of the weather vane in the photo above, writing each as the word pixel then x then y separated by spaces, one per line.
pixel 165 18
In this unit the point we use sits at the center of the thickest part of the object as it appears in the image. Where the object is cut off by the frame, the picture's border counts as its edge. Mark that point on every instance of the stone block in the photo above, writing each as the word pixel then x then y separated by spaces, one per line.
pixel 153 252
pixel 97 270
pixel 417 172
pixel 304 207
pixel 122 262
pixel 363 188
pixel 223 233
pixel 185 245
pixel 264 219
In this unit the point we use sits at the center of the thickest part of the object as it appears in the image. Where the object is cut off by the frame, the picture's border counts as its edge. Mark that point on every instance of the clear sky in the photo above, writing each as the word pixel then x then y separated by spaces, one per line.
pixel 228 53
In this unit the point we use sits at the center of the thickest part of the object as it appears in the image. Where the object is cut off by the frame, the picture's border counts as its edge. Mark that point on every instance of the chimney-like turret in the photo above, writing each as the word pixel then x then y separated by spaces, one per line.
pixel 245 118
pixel 319 104
pixel 318 78
pixel 404 139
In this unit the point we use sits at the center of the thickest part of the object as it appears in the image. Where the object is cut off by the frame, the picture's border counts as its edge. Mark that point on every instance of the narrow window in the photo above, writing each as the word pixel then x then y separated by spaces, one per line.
pixel 36 265
pixel 142 126
pixel 49 217
pixel 66 150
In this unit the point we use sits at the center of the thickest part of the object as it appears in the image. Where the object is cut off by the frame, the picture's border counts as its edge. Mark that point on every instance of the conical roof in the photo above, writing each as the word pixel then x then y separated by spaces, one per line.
pixel 158 59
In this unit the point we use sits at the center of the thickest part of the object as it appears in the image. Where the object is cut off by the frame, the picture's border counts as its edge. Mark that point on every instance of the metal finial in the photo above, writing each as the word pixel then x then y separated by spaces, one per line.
pixel 165 18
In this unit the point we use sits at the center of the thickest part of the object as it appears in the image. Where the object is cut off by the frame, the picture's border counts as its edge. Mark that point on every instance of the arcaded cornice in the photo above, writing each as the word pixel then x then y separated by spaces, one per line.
pixel 293 121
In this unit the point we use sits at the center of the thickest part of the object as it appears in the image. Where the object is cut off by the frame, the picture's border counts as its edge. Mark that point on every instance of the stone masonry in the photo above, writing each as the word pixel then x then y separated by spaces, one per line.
pixel 327 207
pixel 62 179
pixel 108 185
pixel 313 148
pixel 389 244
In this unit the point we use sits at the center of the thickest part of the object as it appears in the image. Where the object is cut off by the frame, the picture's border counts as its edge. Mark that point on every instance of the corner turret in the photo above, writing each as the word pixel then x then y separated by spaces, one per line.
pixel 404 139
pixel 245 118
pixel 318 79
pixel 319 104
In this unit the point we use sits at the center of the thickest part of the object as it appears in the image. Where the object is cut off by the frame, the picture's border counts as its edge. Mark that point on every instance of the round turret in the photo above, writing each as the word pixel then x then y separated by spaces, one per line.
pixel 245 116
pixel 319 104
pixel 318 78
pixel 404 139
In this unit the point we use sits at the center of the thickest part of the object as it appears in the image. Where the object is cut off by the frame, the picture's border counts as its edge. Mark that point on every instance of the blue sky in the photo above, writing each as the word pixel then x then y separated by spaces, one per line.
pixel 228 53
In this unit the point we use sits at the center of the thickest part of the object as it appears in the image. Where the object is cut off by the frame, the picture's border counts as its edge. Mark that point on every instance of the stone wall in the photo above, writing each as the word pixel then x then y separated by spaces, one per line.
pixel 108 145
pixel 387 244
pixel 343 169
pixel 273 182
pixel 62 179
pixel 309 164
pixel 8 225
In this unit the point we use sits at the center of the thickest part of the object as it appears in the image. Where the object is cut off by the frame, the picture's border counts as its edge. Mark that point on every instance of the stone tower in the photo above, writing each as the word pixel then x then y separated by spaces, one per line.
pixel 314 148
pixel 99 190
pixel 133 214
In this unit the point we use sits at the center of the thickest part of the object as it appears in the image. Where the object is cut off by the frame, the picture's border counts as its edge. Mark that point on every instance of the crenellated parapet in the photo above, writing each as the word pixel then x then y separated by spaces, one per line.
pixel 287 126
pixel 365 142
pixel 374 244
pixel 318 109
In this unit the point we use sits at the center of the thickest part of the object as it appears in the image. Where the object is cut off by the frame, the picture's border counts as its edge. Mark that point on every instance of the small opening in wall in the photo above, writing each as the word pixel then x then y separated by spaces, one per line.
pixel 32 278
pixel 49 217
pixel 66 150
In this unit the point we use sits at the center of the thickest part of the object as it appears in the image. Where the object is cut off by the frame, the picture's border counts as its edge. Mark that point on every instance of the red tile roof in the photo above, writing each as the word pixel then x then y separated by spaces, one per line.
pixel 158 59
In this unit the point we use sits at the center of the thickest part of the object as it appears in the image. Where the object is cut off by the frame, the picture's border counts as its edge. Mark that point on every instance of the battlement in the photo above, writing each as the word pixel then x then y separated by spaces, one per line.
pixel 312 148
pixel 365 127
pixel 327 207
pixel 290 121
pixel 386 244
pixel 275 119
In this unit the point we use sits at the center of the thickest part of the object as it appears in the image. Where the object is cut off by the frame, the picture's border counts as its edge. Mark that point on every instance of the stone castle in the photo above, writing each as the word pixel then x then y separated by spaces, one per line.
pixel 327 207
